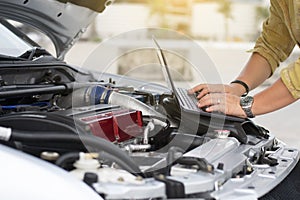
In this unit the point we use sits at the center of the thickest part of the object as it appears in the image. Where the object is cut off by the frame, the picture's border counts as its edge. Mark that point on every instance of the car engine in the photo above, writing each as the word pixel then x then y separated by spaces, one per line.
pixel 123 137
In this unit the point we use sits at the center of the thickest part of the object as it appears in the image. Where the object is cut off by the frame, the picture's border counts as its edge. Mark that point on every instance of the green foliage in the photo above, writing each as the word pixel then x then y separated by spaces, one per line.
pixel 157 7
pixel 225 8
pixel 261 13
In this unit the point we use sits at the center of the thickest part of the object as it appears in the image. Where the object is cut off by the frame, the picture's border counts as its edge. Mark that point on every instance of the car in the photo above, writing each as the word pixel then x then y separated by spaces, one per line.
pixel 72 133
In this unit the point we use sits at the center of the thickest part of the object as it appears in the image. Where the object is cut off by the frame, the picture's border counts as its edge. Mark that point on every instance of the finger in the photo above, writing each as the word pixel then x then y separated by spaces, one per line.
pixel 227 104
pixel 215 102
pixel 203 93
pixel 216 108
pixel 212 99
pixel 207 101
pixel 197 88
pixel 220 88
pixel 204 102
pixel 211 88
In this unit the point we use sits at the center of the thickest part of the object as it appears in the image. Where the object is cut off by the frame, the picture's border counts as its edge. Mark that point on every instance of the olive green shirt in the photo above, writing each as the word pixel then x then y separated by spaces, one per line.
pixel 281 32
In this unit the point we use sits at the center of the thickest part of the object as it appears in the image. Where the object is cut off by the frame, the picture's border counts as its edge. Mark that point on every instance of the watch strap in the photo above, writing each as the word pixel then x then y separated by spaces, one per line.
pixel 244 85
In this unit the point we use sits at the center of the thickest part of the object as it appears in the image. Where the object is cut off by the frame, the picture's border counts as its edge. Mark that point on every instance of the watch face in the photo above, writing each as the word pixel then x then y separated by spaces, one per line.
pixel 246 101
pixel 246 104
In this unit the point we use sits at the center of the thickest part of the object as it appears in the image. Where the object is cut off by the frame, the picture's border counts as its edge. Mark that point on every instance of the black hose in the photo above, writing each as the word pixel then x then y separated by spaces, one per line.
pixel 97 143
pixel 64 160
pixel 32 91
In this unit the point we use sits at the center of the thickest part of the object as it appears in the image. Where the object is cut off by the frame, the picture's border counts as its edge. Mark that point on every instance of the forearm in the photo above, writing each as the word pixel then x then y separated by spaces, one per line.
pixel 255 72
pixel 273 98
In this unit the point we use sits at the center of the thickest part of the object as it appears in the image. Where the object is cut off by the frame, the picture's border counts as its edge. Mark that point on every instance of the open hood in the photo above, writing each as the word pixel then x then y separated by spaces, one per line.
pixel 63 21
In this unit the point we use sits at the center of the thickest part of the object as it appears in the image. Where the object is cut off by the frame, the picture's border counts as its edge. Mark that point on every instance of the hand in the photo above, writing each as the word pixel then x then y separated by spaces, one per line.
pixel 204 89
pixel 228 104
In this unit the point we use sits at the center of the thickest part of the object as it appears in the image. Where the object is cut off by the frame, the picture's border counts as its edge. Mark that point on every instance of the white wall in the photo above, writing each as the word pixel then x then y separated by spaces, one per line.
pixel 244 22
pixel 119 18
pixel 207 22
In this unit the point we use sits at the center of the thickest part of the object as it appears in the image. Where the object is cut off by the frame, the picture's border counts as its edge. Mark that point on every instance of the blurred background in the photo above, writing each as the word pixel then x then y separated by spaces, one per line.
pixel 225 29
pixel 209 20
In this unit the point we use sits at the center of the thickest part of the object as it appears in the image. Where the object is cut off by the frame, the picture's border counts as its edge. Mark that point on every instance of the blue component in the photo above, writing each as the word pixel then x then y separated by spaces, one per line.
pixel 100 95
pixel 8 107
pixel 107 96
pixel 37 104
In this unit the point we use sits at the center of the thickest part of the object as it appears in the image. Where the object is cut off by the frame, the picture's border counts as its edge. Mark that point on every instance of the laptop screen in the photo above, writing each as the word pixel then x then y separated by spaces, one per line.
pixel 165 68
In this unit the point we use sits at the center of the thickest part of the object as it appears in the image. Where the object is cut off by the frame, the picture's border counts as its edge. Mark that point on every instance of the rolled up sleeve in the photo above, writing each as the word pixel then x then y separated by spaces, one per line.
pixel 275 43
pixel 291 78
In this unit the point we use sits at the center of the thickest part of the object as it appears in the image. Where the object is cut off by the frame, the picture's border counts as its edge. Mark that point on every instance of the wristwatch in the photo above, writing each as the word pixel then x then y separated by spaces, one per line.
pixel 246 104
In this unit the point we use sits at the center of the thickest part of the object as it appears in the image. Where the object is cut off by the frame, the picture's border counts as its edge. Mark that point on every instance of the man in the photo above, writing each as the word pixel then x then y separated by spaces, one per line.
pixel 281 32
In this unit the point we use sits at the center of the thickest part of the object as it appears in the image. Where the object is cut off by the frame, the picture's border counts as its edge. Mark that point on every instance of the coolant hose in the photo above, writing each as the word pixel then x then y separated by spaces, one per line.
pixel 97 143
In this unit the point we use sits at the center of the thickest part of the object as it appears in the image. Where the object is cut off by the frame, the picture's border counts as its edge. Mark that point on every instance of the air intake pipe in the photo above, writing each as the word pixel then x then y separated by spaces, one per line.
pixel 94 95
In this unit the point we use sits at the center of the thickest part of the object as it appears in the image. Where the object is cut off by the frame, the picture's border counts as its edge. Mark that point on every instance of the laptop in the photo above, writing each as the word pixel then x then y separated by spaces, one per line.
pixel 186 101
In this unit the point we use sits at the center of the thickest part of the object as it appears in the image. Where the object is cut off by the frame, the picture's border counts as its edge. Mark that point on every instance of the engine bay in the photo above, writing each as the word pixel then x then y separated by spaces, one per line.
pixel 124 137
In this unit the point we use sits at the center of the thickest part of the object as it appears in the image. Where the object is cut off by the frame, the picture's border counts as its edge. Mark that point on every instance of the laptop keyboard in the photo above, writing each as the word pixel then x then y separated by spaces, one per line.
pixel 189 100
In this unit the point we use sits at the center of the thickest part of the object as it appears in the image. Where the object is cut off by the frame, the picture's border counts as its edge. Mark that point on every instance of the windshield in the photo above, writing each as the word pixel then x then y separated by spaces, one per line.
pixel 11 44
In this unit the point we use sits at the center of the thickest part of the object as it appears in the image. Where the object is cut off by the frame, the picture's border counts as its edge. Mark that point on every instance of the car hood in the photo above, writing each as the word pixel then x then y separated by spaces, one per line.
pixel 63 21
